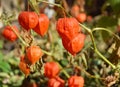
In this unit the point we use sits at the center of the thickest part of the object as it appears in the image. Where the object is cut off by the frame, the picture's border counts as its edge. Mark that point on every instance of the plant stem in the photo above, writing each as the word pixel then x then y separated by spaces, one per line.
pixel 34 4
pixel 63 70
pixel 58 5
pixel 113 66
pixel 88 74
pixel 95 47
pixel 104 29
pixel 50 3
pixel 48 53
pixel 18 35
pixel 90 33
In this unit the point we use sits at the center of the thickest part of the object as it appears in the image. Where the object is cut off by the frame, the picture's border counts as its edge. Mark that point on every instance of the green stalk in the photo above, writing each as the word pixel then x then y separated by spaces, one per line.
pixel 58 5
pixel 34 4
pixel 95 47
pixel 48 53
pixel 18 35
pixel 63 70
pixel 91 35
pixel 113 66
pixel 104 29
pixel 88 74
pixel 50 3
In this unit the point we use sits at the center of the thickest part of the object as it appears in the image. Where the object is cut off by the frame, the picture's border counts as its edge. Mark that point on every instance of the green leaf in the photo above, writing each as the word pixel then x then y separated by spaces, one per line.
pixel 84 60
pixel 115 4
pixel 4 85
pixel 64 62
pixel 106 21
pixel 5 67
pixel 1 44
pixel 1 56
pixel 13 61
pixel 58 50
pixel 105 36
pixel 3 74
pixel 109 23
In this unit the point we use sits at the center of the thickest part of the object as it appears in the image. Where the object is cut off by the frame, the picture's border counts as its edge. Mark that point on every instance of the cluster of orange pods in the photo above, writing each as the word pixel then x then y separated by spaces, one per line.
pixel 72 40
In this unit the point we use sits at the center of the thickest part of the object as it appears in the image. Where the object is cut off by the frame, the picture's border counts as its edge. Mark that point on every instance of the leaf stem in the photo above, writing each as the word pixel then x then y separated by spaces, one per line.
pixel 63 70
pixel 88 74
pixel 50 3
pixel 113 66
pixel 18 35
pixel 90 33
pixel 104 29
pixel 94 45
pixel 58 5
pixel 48 53
pixel 34 4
